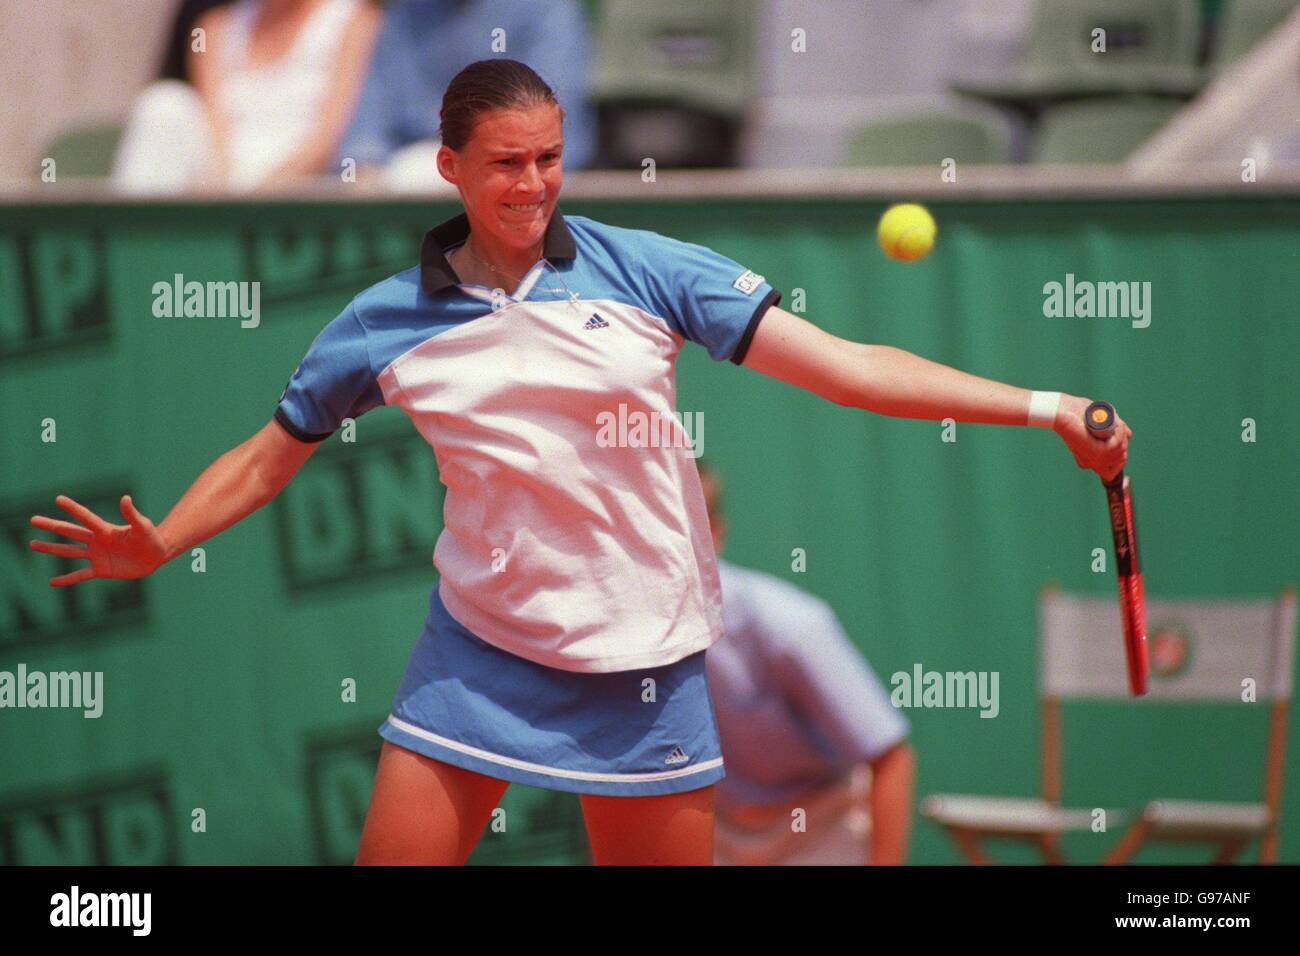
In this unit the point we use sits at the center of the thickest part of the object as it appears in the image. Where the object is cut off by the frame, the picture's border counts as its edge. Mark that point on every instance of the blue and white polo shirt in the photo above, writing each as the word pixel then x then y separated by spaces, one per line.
pixel 567 540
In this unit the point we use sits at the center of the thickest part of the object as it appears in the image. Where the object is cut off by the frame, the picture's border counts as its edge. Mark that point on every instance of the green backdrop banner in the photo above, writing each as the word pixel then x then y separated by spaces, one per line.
pixel 230 732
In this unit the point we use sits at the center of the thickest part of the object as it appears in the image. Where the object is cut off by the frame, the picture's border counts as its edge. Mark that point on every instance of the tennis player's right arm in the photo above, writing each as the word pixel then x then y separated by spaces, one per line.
pixel 231 488
pixel 890 381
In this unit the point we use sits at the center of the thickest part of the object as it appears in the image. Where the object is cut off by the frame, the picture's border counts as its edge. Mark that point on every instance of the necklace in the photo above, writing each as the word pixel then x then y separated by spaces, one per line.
pixel 480 261
pixel 572 296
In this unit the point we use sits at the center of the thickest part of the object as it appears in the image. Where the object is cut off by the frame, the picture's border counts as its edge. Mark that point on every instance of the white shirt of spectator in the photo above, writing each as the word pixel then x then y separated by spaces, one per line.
pixel 272 108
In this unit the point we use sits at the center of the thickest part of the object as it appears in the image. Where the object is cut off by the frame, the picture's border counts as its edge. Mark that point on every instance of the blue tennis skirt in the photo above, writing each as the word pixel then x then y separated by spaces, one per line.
pixel 467 703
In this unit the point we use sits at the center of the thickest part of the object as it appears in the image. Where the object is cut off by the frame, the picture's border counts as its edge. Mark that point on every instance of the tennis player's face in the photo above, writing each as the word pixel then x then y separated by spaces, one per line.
pixel 509 174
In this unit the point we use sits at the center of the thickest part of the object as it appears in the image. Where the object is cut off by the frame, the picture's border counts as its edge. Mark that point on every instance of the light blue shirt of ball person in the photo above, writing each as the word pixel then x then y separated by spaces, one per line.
pixel 796 703
pixel 424 43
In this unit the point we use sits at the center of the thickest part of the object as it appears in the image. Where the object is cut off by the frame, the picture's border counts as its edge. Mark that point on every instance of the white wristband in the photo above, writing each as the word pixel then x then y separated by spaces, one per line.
pixel 1043 407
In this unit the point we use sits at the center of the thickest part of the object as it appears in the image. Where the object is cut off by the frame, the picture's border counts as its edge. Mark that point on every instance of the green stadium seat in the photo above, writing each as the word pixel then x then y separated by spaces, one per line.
pixel 85 152
pixel 1103 130
pixel 1244 23
pixel 1152 46
pixel 672 81
pixel 927 139
pixel 701 54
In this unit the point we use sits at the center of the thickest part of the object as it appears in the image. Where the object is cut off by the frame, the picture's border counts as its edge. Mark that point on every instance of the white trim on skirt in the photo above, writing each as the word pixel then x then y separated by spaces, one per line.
pixel 456 745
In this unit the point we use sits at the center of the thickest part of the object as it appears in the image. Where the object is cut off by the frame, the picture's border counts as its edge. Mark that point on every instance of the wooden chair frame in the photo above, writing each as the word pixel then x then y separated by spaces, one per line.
pixel 1229 840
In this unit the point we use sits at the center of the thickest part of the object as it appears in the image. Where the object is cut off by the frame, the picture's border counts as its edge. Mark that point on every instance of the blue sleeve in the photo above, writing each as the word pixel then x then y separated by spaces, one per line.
pixel 828 683
pixel 710 299
pixel 374 131
pixel 333 382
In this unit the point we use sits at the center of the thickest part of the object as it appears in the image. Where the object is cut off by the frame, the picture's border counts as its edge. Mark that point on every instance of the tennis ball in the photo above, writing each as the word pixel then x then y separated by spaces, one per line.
pixel 906 232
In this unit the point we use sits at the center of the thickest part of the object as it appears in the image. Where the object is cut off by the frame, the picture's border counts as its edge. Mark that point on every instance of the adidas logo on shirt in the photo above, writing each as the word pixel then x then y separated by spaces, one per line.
pixel 596 322
pixel 677 756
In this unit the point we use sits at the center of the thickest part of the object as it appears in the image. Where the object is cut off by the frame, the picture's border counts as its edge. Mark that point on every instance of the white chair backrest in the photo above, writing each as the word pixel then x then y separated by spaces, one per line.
pixel 1200 649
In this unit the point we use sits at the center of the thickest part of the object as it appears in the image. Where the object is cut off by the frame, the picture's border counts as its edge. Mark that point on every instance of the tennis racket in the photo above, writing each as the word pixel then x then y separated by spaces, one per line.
pixel 1100 419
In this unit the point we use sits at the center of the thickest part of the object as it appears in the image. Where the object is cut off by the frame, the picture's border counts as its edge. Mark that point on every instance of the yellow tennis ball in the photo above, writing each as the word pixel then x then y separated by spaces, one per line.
pixel 906 232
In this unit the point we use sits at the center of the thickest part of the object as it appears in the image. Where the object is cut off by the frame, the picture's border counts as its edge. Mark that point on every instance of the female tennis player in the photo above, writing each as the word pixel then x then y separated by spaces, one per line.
pixel 578 591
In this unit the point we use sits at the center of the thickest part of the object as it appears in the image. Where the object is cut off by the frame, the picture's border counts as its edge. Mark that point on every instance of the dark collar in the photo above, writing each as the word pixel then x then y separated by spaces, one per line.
pixel 436 272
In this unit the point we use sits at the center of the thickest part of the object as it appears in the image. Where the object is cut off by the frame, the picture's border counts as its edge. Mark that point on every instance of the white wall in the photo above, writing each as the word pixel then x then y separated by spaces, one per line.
pixel 64 61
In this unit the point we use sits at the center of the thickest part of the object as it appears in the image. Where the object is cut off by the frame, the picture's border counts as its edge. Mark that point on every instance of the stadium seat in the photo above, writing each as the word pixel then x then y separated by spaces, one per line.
pixel 85 152
pixel 926 139
pixel 672 80
pixel 1103 130
pixel 1243 23
pixel 1152 46
pixel 1199 652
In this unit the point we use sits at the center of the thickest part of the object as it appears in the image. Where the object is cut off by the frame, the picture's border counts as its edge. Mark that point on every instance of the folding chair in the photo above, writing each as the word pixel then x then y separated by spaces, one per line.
pixel 1235 640
pixel 1081 659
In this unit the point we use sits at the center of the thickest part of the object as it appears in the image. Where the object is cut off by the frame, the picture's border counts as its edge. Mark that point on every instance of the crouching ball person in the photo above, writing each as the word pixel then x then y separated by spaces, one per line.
pixel 819 770
pixel 571 573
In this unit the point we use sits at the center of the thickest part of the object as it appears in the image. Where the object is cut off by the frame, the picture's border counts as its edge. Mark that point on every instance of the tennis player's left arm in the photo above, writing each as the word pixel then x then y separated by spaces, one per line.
pixel 890 381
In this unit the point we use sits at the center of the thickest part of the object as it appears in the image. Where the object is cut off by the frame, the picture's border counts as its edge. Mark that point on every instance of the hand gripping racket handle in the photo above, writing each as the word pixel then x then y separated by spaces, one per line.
pixel 1100 419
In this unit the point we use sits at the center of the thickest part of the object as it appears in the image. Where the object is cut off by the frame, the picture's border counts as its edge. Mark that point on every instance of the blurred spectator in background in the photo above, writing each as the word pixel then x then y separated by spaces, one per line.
pixel 274 85
pixel 176 57
pixel 805 725
pixel 425 43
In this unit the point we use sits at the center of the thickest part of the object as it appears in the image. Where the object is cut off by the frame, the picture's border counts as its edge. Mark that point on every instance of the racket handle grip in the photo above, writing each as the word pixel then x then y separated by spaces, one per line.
pixel 1100 419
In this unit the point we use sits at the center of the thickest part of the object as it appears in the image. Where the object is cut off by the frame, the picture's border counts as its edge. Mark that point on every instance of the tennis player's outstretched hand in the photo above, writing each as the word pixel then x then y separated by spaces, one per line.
pixel 1106 458
pixel 129 550
pixel 231 488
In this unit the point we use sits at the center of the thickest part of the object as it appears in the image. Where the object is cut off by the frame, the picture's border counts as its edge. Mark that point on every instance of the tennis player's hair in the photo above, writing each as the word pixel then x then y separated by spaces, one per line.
pixel 485 85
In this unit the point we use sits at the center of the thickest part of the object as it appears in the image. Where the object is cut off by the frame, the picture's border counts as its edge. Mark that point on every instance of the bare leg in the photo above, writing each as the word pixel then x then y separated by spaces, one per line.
pixel 671 830
pixel 425 812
